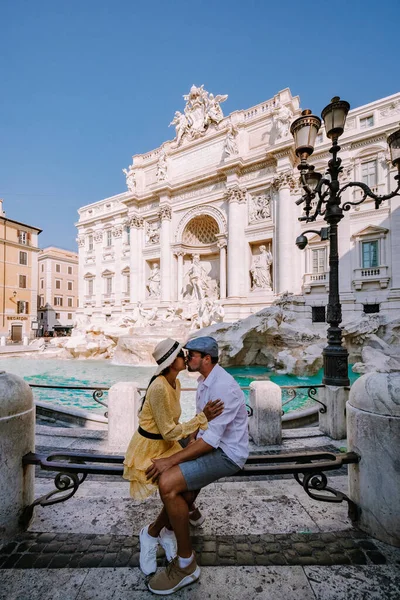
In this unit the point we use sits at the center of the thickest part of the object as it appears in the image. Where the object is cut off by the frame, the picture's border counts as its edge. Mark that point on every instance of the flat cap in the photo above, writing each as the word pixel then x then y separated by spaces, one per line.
pixel 205 344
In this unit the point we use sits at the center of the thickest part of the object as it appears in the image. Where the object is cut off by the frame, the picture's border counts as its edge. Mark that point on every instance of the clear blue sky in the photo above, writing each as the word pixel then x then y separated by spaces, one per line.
pixel 87 84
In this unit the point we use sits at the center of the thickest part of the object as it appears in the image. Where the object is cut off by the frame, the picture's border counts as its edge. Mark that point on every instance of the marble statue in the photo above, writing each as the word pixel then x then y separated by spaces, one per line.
pixel 260 270
pixel 208 312
pixel 202 109
pixel 282 117
pixel 161 173
pixel 202 284
pixel 260 208
pixel 130 178
pixel 154 282
pixel 173 313
pixel 152 232
pixel 230 145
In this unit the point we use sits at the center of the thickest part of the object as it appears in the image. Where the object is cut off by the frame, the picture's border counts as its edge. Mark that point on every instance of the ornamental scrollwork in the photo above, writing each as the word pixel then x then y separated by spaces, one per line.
pixel 165 212
pixel 236 194
pixel 118 231
pixel 136 221
pixel 98 236
pixel 285 180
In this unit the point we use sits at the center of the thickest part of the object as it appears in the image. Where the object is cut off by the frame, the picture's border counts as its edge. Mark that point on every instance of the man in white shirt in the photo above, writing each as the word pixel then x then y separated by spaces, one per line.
pixel 219 451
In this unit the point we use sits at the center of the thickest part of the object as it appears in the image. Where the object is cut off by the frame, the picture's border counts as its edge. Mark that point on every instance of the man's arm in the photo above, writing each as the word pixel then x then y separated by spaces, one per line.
pixel 191 452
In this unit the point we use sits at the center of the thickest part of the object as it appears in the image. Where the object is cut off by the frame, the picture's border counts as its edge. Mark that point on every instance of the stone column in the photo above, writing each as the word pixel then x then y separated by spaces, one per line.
pixel 81 261
pixel 285 236
pixel 17 438
pixel 136 223
pixel 373 428
pixel 236 197
pixel 165 254
pixel 98 248
pixel 117 233
pixel 123 404
pixel 179 254
pixel 333 421
pixel 222 243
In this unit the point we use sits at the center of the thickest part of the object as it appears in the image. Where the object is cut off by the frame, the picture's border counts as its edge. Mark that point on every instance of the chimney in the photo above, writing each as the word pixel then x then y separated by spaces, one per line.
pixel 2 213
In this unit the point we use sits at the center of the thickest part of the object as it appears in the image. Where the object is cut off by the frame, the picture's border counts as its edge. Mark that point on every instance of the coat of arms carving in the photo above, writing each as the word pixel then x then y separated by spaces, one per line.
pixel 202 110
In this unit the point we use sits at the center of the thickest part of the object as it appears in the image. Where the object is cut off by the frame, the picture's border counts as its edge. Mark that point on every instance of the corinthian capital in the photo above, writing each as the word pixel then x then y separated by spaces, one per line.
pixel 117 231
pixel 136 221
pixel 236 194
pixel 285 180
pixel 164 212
pixel 98 236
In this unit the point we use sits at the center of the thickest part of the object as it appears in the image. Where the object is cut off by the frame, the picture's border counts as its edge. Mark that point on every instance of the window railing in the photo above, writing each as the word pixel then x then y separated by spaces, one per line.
pixel 371 274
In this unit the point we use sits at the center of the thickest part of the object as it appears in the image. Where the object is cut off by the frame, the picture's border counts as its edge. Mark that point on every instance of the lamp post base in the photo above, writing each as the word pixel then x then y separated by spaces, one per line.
pixel 335 366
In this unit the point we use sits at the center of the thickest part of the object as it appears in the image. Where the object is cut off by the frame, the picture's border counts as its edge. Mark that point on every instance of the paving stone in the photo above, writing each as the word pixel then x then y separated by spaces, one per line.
pixel 366 545
pixel 91 560
pixel 225 550
pixel 209 546
pixel 60 561
pixel 226 560
pixel 272 547
pixel 134 560
pixel 75 560
pixel 334 547
pixel 53 547
pixel 8 548
pixel 307 560
pixel 24 546
pixel 123 557
pixel 348 543
pixel 26 561
pixel 109 560
pixel 103 540
pixel 267 537
pixel 328 537
pixel 376 557
pixel 244 558
pixel 302 549
pixel 11 561
pixel 83 545
pixel 320 544
pixel 256 548
pixel 37 547
pixel 357 557
pixel 208 559
pixel 340 559
pixel 45 538
pixel 43 561
pixel 322 558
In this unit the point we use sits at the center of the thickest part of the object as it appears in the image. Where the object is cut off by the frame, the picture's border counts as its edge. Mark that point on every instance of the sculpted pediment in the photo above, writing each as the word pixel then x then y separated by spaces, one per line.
pixel 371 230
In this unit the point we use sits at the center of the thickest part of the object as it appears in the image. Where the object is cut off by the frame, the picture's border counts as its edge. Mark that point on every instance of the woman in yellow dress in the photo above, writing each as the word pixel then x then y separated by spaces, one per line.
pixel 159 430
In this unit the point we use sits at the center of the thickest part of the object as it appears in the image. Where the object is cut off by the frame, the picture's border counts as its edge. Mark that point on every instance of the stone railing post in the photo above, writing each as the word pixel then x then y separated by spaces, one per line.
pixel 123 405
pixel 265 425
pixel 333 421
pixel 17 437
pixel 373 427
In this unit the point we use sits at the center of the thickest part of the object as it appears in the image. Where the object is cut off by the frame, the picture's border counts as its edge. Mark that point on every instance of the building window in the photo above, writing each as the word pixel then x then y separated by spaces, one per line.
pixel 58 316
pixel 70 286
pixel 108 285
pixel 23 258
pixel 371 308
pixel 22 281
pixel 318 314
pixel 69 316
pixel 58 301
pixel 41 299
pixel 368 173
pixel 90 287
pixel 41 284
pixel 22 307
pixel 128 235
pixel 108 238
pixel 318 260
pixel 77 303
pixel 42 267
pixel 70 303
pixel 69 270
pixel 41 316
pixel 369 254
pixel 58 284
pixel 367 122
pixel 90 243
pixel 58 268
pixel 23 237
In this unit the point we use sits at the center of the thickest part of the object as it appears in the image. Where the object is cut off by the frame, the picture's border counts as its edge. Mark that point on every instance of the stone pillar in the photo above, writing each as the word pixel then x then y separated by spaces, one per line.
pixel 99 283
pixel 236 256
pixel 123 405
pixel 285 246
pixel 117 232
pixel 222 268
pixel 17 438
pixel 333 421
pixel 265 425
pixel 165 255
pixel 3 340
pixel 81 280
pixel 179 254
pixel 373 424
pixel 136 223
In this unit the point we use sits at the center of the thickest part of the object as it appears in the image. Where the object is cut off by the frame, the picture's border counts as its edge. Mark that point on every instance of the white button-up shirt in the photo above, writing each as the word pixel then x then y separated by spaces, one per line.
pixel 229 431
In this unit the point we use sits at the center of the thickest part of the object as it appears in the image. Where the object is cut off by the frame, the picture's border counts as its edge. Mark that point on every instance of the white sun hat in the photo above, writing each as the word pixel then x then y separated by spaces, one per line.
pixel 165 353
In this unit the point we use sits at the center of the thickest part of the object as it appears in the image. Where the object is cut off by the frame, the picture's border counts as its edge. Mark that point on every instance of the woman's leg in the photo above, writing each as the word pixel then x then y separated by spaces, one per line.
pixel 162 519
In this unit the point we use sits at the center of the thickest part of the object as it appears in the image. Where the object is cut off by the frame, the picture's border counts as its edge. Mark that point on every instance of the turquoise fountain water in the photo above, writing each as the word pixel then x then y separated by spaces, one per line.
pixel 103 373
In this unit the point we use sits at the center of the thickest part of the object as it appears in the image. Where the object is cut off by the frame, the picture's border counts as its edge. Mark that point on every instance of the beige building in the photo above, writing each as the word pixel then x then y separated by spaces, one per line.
pixel 18 279
pixel 57 289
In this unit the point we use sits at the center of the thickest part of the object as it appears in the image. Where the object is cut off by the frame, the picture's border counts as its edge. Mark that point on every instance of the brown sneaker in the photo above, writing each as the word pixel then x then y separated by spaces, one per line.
pixel 173 578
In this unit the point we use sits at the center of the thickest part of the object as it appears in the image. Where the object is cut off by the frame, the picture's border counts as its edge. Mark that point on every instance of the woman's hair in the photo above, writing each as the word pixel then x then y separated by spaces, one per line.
pixel 164 372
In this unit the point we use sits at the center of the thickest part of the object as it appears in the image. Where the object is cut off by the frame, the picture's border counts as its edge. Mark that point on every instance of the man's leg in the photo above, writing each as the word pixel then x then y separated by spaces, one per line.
pixel 176 500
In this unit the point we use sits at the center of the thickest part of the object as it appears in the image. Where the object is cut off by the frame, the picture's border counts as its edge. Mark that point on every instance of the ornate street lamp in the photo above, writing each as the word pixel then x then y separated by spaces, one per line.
pixel 328 193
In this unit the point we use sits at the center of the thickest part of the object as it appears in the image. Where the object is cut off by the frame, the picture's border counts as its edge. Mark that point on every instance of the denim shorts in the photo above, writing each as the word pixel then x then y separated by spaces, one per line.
pixel 207 468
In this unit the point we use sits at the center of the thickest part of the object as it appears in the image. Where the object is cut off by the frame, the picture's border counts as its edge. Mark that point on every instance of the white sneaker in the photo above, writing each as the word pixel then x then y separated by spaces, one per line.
pixel 196 522
pixel 148 552
pixel 168 541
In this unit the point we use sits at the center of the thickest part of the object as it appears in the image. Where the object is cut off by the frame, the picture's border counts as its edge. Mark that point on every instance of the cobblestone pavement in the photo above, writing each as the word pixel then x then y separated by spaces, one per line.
pixel 50 550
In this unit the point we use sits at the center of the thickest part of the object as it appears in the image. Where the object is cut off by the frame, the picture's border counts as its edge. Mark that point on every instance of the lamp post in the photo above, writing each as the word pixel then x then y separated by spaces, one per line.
pixel 328 193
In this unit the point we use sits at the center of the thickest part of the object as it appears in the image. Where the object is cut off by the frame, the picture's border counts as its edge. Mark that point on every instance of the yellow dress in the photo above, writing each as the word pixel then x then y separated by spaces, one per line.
pixel 160 414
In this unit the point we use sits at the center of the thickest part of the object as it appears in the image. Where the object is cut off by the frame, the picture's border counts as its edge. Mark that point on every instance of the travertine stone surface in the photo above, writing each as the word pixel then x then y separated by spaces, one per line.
pixel 17 437
pixel 265 426
pixel 123 405
pixel 373 422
